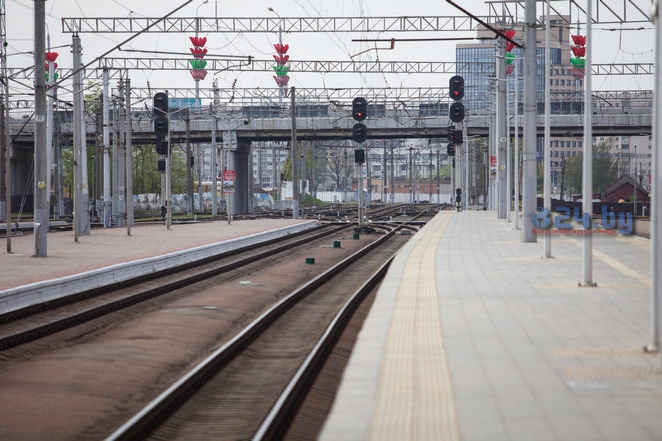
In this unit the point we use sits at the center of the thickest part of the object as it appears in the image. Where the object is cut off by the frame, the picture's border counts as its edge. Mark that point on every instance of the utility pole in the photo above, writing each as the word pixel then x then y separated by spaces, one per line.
pixel 41 190
pixel 129 160
pixel 121 161
pixel 656 200
pixel 4 123
pixel 295 174
pixel 438 178
pixel 214 170
pixel 634 182
pixel 107 202
pixel 411 176
pixel 529 191
pixel 547 180
pixel 78 142
pixel 50 87
pixel 392 175
pixel 190 207
pixel 501 130
pixel 115 181
pixel 509 158
pixel 384 177
pixel 8 154
pixel 517 64
pixel 465 198
pixel 587 177
pixel 5 214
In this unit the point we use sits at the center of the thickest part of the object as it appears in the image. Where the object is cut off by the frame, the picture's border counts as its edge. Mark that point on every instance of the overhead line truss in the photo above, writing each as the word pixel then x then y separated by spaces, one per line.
pixel 206 25
pixel 119 66
pixel 502 13
pixel 604 11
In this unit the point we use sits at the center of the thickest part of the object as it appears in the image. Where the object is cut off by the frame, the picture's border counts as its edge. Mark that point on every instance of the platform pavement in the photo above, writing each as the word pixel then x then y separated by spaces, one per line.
pixel 107 247
pixel 474 336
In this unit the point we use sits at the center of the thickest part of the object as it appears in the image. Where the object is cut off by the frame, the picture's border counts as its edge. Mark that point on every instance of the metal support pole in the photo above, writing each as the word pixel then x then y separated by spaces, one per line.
pixel 384 182
pixel 587 177
pixel 190 207
pixel 486 174
pixel 509 158
pixel 411 176
pixel 634 181
pixel 529 191
pixel 359 173
pixel 168 198
pixel 295 174
pixel 41 190
pixel 302 187
pixel 392 175
pixel 78 142
pixel 501 131
pixel 5 215
pixel 4 123
pixel 49 126
pixel 107 203
pixel 7 164
pixel 115 167
pixel 120 207
pixel 547 179
pixel 129 160
pixel 656 198
pixel 438 178
pixel 368 172
pixel 199 162
pixel 465 145
pixel 517 226
pixel 214 170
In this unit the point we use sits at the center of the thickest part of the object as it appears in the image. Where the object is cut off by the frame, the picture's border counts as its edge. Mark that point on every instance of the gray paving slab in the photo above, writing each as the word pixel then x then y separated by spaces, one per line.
pixel 531 355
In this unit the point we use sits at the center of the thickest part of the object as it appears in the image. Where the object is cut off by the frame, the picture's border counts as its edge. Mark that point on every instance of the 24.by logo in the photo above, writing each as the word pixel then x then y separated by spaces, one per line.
pixel 543 220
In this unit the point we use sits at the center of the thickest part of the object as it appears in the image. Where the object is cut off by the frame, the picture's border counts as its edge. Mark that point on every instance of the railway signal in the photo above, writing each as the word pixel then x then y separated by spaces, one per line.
pixel 456 112
pixel 456 88
pixel 359 109
pixel 359 156
pixel 359 132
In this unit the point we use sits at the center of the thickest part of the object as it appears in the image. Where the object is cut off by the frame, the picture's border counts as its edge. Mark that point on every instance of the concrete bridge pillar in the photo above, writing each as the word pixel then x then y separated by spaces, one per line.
pixel 239 160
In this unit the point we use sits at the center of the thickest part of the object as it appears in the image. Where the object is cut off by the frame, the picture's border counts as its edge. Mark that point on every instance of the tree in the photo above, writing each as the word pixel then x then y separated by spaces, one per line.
pixel 605 170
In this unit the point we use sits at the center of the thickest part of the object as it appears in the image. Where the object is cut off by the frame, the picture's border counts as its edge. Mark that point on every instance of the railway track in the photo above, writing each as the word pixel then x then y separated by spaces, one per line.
pixel 43 325
pixel 252 386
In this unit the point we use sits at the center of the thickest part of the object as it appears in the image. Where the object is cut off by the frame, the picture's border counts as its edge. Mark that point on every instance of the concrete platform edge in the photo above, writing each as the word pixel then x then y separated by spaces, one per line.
pixel 25 295
pixel 352 411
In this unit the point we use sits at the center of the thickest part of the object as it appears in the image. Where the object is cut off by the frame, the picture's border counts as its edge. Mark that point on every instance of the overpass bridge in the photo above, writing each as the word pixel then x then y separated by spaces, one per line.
pixel 422 116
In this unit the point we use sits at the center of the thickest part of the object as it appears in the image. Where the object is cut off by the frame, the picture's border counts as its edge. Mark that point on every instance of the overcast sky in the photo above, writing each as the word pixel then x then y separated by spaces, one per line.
pixel 615 45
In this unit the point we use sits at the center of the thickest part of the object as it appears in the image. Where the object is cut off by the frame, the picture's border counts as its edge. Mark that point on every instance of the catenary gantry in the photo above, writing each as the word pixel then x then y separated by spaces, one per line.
pixel 118 65
pixel 501 13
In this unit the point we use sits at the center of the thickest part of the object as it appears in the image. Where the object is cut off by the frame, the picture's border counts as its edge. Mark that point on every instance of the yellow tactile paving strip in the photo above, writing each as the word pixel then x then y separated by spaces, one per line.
pixel 415 398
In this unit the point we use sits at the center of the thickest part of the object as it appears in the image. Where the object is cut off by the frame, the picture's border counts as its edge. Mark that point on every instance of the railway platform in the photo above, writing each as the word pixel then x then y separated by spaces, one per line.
pixel 110 255
pixel 474 336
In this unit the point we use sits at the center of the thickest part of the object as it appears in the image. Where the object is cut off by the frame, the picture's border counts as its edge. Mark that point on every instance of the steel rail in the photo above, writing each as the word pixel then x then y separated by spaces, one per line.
pixel 275 425
pixel 80 317
pixel 152 415
pixel 145 421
